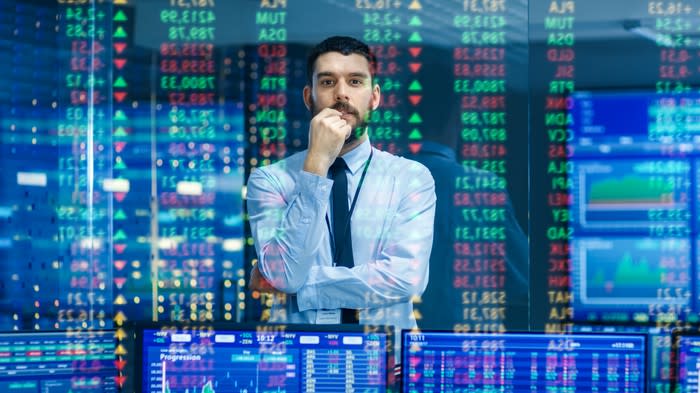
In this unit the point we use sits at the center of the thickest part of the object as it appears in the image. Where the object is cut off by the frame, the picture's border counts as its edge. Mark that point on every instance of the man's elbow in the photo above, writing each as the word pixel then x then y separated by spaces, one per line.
pixel 283 269
pixel 420 282
pixel 289 286
pixel 413 288
pixel 284 281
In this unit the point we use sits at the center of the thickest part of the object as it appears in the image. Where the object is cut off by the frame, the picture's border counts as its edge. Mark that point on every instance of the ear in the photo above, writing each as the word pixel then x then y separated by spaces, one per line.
pixel 307 97
pixel 376 95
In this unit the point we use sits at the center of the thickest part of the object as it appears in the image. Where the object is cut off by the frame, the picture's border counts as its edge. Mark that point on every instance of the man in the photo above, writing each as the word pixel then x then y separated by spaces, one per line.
pixel 365 254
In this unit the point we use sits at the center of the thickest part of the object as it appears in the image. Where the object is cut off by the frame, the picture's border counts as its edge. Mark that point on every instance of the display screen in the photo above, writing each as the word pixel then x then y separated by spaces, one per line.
pixel 265 359
pixel 47 362
pixel 633 207
pixel 658 350
pixel 686 362
pixel 514 362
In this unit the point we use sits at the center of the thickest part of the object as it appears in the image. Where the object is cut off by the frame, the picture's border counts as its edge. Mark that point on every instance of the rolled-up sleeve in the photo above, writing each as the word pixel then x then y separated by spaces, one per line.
pixel 287 232
pixel 401 269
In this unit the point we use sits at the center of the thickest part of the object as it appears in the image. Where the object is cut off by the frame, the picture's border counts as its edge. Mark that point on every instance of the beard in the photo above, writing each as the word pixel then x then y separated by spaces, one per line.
pixel 360 121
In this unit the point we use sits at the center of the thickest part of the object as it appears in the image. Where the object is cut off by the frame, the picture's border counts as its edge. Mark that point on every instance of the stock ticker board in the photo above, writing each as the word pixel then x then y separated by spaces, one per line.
pixel 127 160
pixel 130 127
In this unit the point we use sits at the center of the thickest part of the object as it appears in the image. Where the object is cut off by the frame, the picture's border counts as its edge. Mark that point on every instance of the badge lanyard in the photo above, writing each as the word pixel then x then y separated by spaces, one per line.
pixel 337 252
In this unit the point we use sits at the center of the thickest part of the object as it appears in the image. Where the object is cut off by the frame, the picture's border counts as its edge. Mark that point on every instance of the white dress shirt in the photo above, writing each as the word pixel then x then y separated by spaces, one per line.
pixel 392 234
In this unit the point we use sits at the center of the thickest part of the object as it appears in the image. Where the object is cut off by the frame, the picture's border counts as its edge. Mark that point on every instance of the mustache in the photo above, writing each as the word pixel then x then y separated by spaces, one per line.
pixel 342 106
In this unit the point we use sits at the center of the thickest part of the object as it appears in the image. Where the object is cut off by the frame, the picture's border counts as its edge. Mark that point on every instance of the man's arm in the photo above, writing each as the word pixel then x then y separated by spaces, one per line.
pixel 401 269
pixel 287 233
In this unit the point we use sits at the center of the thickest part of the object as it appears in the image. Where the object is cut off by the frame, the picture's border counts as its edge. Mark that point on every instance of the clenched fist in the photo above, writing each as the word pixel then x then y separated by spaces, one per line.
pixel 328 132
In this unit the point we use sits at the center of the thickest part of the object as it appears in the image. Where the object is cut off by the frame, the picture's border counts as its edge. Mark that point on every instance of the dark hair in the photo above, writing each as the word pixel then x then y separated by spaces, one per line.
pixel 341 44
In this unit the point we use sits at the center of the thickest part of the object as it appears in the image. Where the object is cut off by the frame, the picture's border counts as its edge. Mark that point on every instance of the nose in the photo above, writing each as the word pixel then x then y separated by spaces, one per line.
pixel 341 91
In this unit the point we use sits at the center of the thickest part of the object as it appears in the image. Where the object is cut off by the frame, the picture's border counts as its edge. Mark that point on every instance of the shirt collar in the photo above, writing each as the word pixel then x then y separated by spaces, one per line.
pixel 357 157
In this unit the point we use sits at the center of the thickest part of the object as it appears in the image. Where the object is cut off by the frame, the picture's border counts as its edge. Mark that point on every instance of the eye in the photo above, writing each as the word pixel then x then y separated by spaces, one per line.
pixel 356 82
pixel 325 82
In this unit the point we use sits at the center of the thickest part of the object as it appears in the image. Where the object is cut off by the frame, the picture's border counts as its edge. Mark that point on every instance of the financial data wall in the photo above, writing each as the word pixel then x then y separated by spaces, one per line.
pixel 128 129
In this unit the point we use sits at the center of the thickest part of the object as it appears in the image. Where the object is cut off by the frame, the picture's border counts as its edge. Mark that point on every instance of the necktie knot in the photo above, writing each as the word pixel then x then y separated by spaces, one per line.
pixel 338 166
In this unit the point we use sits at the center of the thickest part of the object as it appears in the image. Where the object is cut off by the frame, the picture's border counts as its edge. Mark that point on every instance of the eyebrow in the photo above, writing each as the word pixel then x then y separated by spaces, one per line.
pixel 323 74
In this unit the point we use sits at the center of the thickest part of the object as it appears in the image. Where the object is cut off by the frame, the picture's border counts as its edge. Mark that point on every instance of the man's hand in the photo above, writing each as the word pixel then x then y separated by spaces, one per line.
pixel 259 283
pixel 327 133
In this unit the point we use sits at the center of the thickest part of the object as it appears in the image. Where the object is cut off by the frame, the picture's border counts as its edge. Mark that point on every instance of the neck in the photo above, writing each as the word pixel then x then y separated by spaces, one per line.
pixel 351 146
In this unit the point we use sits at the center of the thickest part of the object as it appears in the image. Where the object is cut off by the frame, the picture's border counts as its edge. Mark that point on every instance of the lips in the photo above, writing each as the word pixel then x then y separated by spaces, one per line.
pixel 349 117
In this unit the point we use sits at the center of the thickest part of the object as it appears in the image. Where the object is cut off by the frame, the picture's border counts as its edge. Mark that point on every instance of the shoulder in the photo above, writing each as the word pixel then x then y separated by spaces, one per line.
pixel 400 166
pixel 407 174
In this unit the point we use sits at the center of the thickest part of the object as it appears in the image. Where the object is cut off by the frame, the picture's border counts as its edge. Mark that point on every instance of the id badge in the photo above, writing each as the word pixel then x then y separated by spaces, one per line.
pixel 328 317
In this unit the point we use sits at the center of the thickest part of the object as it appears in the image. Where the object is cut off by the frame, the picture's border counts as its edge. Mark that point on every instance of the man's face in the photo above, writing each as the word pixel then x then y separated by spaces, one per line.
pixel 344 84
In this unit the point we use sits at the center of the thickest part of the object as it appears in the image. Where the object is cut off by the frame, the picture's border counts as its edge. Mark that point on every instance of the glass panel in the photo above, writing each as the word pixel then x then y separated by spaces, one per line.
pixel 127 156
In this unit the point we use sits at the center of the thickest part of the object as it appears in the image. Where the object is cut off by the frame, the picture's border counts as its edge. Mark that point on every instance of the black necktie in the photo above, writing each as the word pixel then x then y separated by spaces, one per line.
pixel 341 227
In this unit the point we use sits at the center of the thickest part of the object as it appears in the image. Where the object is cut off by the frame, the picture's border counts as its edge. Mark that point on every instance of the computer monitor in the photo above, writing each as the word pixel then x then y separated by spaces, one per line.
pixel 522 362
pixel 631 180
pixel 53 361
pixel 263 358
pixel 685 361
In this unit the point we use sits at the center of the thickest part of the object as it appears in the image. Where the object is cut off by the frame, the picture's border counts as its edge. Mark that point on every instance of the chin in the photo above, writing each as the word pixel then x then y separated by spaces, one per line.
pixel 355 136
